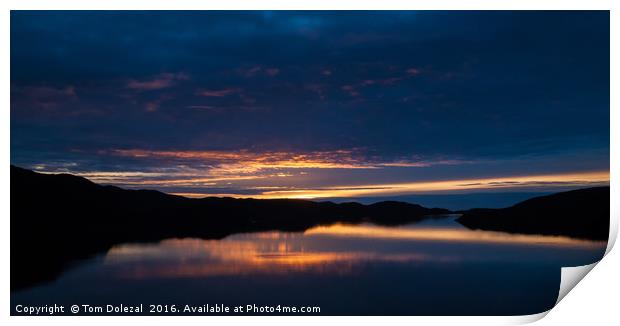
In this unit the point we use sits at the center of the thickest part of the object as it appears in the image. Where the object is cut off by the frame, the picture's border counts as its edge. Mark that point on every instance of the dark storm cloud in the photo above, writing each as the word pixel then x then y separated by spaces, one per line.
pixel 395 86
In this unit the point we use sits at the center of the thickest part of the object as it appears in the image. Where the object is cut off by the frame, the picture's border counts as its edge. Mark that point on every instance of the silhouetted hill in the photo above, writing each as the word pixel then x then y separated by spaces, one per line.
pixel 580 213
pixel 57 218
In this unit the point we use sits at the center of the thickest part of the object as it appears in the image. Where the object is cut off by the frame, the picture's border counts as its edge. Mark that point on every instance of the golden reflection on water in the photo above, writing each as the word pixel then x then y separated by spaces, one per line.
pixel 268 253
pixel 280 253
pixel 445 234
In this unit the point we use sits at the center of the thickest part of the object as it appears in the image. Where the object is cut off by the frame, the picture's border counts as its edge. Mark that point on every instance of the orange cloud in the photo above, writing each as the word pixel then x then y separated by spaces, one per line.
pixel 246 162
pixel 249 72
pixel 243 161
pixel 160 81
pixel 218 92
pixel 413 71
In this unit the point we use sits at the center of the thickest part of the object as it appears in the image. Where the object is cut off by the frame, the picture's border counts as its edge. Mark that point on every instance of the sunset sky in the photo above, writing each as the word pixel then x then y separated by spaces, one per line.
pixel 313 104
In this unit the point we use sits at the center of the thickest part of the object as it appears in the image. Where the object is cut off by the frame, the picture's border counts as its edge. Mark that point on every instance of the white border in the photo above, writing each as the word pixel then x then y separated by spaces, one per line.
pixel 595 301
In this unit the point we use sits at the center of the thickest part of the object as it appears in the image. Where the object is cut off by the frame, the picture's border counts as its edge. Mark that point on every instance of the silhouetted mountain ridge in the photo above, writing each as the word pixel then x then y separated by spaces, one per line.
pixel 582 213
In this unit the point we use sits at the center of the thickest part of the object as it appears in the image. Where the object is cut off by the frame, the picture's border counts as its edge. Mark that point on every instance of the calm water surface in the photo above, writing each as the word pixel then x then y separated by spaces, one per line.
pixel 436 267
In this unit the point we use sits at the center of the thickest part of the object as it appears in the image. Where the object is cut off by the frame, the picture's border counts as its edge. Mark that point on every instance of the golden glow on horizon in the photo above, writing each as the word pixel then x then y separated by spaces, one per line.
pixel 576 179
pixel 283 174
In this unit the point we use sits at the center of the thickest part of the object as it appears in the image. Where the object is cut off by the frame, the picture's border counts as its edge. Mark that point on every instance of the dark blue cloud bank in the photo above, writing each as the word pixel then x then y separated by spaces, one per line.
pixel 245 101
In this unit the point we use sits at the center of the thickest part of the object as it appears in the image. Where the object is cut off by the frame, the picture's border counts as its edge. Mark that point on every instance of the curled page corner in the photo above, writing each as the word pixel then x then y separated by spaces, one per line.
pixel 570 277
pixel 528 319
pixel 613 231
